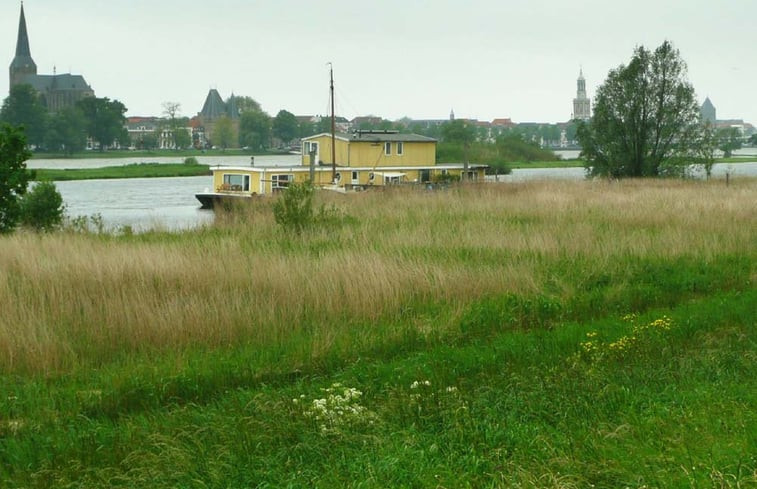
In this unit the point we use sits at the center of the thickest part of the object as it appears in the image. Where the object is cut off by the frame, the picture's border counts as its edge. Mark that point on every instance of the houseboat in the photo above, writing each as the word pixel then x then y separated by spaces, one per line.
pixel 344 162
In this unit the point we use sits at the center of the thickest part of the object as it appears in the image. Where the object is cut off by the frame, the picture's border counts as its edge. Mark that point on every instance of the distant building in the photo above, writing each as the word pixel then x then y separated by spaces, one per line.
pixel 582 103
pixel 708 111
pixel 56 91
pixel 212 111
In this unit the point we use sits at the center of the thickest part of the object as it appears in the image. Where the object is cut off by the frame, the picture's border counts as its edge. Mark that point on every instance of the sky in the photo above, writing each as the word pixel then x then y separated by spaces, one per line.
pixel 484 59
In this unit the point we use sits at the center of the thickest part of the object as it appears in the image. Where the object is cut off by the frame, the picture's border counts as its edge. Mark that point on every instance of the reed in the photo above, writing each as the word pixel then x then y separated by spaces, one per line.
pixel 77 300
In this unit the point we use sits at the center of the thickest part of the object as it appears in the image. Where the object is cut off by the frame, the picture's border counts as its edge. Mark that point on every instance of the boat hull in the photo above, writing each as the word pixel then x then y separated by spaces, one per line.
pixel 211 200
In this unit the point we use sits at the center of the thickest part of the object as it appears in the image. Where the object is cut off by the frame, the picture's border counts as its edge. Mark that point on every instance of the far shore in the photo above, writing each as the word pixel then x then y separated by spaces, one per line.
pixel 157 170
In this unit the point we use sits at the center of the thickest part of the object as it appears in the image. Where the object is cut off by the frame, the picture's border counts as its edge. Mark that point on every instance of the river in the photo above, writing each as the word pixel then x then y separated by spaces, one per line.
pixel 169 203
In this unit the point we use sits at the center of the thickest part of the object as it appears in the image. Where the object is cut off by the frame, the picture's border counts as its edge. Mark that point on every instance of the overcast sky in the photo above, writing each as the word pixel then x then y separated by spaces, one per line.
pixel 483 58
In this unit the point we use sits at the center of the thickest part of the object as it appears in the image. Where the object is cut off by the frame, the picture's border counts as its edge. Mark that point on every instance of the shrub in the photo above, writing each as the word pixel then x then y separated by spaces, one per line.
pixel 42 207
pixel 293 210
pixel 191 160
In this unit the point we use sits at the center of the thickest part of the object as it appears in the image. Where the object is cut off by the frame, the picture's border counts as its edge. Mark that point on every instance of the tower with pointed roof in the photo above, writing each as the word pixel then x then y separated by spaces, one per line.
pixel 708 111
pixel 22 64
pixel 214 109
pixel 56 91
pixel 582 103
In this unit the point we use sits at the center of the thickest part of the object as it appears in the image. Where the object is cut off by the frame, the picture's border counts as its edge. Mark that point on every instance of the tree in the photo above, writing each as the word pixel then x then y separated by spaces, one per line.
pixel 285 126
pixel 14 177
pixel 707 144
pixel 255 130
pixel 645 117
pixel 180 138
pixel 729 138
pixel 753 140
pixel 42 207
pixel 247 104
pixel 104 119
pixel 23 107
pixel 458 132
pixel 223 132
pixel 67 131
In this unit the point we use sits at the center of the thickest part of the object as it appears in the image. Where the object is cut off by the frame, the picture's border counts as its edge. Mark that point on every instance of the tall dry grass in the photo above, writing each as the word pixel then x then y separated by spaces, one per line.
pixel 69 299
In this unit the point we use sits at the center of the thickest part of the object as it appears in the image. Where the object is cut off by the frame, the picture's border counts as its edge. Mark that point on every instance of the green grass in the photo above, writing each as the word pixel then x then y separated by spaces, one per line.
pixel 469 345
pixel 503 408
pixel 166 153
pixel 135 170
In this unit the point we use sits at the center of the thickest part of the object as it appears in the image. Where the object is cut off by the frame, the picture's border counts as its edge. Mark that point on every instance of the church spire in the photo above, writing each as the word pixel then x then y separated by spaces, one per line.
pixel 22 64
pixel 22 44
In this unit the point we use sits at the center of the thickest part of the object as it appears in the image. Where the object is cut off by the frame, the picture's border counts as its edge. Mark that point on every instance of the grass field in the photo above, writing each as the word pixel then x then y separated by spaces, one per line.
pixel 135 170
pixel 545 334
pixel 164 153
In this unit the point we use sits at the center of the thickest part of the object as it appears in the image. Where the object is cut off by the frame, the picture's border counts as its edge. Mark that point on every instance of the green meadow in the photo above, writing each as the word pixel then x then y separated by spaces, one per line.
pixel 134 170
pixel 543 334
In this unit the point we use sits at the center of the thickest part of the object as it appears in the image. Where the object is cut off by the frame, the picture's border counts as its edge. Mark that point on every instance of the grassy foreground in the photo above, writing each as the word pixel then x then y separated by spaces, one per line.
pixel 561 334
pixel 135 170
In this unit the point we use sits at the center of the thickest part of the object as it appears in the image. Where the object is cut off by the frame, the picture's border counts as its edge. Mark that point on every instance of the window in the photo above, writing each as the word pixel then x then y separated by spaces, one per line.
pixel 310 147
pixel 387 149
pixel 281 181
pixel 400 148
pixel 236 182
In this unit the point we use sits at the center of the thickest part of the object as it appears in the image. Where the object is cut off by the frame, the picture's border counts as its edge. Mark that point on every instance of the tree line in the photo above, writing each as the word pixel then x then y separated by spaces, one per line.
pixel 67 130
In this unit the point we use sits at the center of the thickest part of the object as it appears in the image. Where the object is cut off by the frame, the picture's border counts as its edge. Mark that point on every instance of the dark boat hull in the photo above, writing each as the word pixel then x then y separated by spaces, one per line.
pixel 211 200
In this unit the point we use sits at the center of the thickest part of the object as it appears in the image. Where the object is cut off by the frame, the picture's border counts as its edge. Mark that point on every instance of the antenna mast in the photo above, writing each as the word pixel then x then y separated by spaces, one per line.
pixel 333 127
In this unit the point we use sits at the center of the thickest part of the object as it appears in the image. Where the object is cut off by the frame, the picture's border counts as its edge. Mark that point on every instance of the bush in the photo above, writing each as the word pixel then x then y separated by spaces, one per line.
pixel 42 207
pixel 294 209
pixel 191 160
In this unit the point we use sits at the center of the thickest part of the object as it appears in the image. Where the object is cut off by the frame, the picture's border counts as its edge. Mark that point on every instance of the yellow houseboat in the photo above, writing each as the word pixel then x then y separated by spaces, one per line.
pixel 363 160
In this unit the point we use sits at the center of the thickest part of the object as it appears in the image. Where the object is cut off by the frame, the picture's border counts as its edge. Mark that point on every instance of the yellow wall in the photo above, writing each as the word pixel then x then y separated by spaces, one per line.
pixel 324 151
pixel 370 154
pixel 365 153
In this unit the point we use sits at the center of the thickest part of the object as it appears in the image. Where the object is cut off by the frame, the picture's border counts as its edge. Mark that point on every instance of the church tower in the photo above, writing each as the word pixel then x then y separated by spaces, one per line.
pixel 582 103
pixel 22 64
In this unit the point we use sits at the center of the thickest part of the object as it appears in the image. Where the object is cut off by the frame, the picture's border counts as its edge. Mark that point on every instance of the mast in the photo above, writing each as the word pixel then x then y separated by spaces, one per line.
pixel 333 127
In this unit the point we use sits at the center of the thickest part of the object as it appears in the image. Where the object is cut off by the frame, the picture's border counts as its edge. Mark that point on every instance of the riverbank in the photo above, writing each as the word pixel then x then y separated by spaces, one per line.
pixel 158 153
pixel 546 334
pixel 156 170
pixel 136 170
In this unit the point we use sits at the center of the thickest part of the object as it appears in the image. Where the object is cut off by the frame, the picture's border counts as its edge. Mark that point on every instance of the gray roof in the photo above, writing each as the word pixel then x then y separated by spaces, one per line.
pixel 48 83
pixel 214 106
pixel 389 136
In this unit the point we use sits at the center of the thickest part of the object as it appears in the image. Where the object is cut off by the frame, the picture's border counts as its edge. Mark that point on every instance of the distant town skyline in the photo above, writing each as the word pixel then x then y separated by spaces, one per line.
pixel 484 60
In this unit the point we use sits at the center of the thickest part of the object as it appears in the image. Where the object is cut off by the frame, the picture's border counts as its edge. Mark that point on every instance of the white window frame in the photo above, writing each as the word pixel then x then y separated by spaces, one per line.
pixel 308 146
pixel 400 148
pixel 244 186
pixel 387 149
pixel 278 179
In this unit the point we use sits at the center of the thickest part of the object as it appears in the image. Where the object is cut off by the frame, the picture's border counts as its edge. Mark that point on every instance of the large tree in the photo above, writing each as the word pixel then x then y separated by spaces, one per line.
pixel 67 131
pixel 285 126
pixel 223 133
pixel 645 118
pixel 255 130
pixel 105 119
pixel 14 177
pixel 23 107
